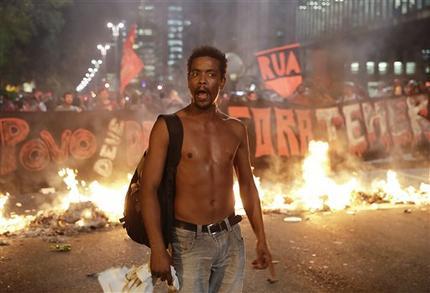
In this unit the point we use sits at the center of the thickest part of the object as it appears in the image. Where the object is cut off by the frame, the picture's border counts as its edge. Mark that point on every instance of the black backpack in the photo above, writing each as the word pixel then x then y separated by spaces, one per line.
pixel 132 220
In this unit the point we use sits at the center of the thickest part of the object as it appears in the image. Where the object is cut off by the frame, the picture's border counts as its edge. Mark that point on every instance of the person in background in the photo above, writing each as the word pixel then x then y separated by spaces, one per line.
pixel 103 101
pixel 67 103
pixel 397 88
pixel 38 101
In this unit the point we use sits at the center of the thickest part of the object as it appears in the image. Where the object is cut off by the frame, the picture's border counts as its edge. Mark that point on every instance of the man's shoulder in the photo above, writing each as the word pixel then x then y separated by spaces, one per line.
pixel 233 121
pixel 234 124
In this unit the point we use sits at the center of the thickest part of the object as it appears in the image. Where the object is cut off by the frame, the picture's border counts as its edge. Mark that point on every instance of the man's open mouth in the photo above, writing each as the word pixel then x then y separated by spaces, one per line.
pixel 201 94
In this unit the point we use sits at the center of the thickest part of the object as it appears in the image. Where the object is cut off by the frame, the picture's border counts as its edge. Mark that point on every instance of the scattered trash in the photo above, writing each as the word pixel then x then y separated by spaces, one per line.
pixel 351 212
pixel 407 211
pixel 4 242
pixel 47 190
pixel 79 217
pixel 275 262
pixel 135 279
pixel 18 204
pixel 64 247
pixel 293 219
pixel 338 242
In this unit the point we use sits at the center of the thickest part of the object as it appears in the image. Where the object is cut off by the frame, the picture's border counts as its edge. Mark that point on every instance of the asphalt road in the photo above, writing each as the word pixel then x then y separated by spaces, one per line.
pixel 371 251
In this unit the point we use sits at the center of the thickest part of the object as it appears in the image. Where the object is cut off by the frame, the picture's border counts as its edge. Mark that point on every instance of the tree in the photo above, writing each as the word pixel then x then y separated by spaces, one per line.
pixel 29 28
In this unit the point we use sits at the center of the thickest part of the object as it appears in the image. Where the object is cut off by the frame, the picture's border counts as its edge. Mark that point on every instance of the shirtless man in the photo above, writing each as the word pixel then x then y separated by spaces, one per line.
pixel 207 258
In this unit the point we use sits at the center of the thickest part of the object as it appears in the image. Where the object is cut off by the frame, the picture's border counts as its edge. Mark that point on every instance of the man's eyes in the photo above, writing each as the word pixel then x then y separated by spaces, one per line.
pixel 196 73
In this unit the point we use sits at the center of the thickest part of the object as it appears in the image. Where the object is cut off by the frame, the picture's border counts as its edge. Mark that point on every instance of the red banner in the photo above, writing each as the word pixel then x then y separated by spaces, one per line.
pixel 280 69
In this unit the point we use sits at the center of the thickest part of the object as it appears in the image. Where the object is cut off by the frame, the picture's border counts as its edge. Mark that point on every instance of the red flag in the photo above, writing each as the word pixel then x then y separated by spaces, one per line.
pixel 131 64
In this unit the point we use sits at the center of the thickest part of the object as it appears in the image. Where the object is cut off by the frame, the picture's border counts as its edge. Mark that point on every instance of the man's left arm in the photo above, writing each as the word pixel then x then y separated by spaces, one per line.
pixel 251 200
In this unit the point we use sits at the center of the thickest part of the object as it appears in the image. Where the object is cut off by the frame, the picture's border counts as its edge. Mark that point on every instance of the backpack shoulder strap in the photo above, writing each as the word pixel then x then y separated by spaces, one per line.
pixel 176 135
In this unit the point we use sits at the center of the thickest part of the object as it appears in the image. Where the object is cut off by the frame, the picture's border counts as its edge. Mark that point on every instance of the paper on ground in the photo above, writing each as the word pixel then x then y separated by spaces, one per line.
pixel 133 280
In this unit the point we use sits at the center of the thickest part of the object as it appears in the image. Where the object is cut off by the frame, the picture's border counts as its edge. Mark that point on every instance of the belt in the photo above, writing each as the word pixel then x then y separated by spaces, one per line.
pixel 209 228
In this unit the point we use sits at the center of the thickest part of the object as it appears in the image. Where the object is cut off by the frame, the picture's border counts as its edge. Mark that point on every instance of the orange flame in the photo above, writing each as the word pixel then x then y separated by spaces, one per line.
pixel 317 189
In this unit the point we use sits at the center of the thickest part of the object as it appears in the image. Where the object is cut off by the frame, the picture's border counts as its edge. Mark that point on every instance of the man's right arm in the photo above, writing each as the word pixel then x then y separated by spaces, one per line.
pixel 152 172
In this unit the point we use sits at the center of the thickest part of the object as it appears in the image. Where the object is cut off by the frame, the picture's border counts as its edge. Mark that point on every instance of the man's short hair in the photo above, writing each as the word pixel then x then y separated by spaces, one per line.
pixel 208 51
pixel 67 93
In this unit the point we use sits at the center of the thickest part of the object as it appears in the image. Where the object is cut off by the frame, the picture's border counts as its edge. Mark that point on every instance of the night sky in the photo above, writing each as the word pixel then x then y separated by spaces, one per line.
pixel 85 27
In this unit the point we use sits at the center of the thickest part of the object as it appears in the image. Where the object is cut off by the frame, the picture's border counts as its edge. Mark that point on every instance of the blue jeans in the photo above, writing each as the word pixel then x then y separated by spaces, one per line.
pixel 209 263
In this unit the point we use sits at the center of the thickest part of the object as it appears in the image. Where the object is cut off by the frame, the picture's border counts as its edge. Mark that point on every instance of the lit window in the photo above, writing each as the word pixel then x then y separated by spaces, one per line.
pixel 410 68
pixel 174 42
pixel 147 32
pixel 174 22
pixel 355 67
pixel 175 8
pixel 398 68
pixel 383 68
pixel 176 49
pixel 370 67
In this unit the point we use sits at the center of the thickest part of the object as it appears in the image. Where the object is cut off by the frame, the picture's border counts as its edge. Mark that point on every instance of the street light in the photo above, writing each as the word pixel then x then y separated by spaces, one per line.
pixel 103 50
pixel 96 63
pixel 115 28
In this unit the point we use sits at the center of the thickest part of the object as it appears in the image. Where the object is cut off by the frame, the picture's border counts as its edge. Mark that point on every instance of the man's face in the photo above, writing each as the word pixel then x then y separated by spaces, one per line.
pixel 68 99
pixel 205 81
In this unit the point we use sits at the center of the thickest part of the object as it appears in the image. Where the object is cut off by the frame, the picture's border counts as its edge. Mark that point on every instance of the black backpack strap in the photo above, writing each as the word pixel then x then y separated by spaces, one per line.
pixel 176 135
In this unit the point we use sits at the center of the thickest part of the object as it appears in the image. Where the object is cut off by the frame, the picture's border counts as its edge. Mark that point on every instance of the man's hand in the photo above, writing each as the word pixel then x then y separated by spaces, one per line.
pixel 160 265
pixel 264 260
pixel 264 257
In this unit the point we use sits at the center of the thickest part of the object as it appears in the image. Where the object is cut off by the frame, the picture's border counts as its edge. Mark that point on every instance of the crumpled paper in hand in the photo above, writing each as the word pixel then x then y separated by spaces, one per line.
pixel 133 280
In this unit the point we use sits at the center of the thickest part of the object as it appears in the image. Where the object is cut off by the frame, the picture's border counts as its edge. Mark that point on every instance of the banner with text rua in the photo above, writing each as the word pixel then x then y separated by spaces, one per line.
pixel 280 69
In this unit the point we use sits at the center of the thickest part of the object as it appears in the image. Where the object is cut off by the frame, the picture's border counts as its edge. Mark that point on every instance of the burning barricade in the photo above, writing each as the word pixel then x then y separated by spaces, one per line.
pixel 316 188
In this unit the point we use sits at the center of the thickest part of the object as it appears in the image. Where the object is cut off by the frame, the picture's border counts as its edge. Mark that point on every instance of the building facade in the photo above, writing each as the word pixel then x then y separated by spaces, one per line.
pixel 364 40
pixel 169 30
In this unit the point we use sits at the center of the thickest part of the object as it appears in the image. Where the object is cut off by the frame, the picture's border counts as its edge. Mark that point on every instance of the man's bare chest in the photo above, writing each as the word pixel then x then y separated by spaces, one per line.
pixel 209 144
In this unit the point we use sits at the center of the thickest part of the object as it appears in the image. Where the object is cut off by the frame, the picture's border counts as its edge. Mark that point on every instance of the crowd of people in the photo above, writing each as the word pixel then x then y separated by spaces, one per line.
pixel 39 101
pixel 309 93
pixel 166 101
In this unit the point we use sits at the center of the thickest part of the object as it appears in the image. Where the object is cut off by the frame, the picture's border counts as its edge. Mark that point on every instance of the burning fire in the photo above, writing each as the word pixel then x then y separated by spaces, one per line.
pixel 317 189
pixel 13 222
pixel 108 199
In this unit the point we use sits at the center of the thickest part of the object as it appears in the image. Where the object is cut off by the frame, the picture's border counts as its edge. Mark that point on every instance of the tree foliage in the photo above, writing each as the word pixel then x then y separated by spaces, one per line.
pixel 29 31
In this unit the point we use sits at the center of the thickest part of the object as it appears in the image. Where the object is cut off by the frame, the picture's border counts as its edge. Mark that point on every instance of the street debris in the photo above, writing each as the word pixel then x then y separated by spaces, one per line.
pixel 79 217
pixel 133 280
pixel 4 242
pixel 407 211
pixel 63 247
pixel 293 219
pixel 47 190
